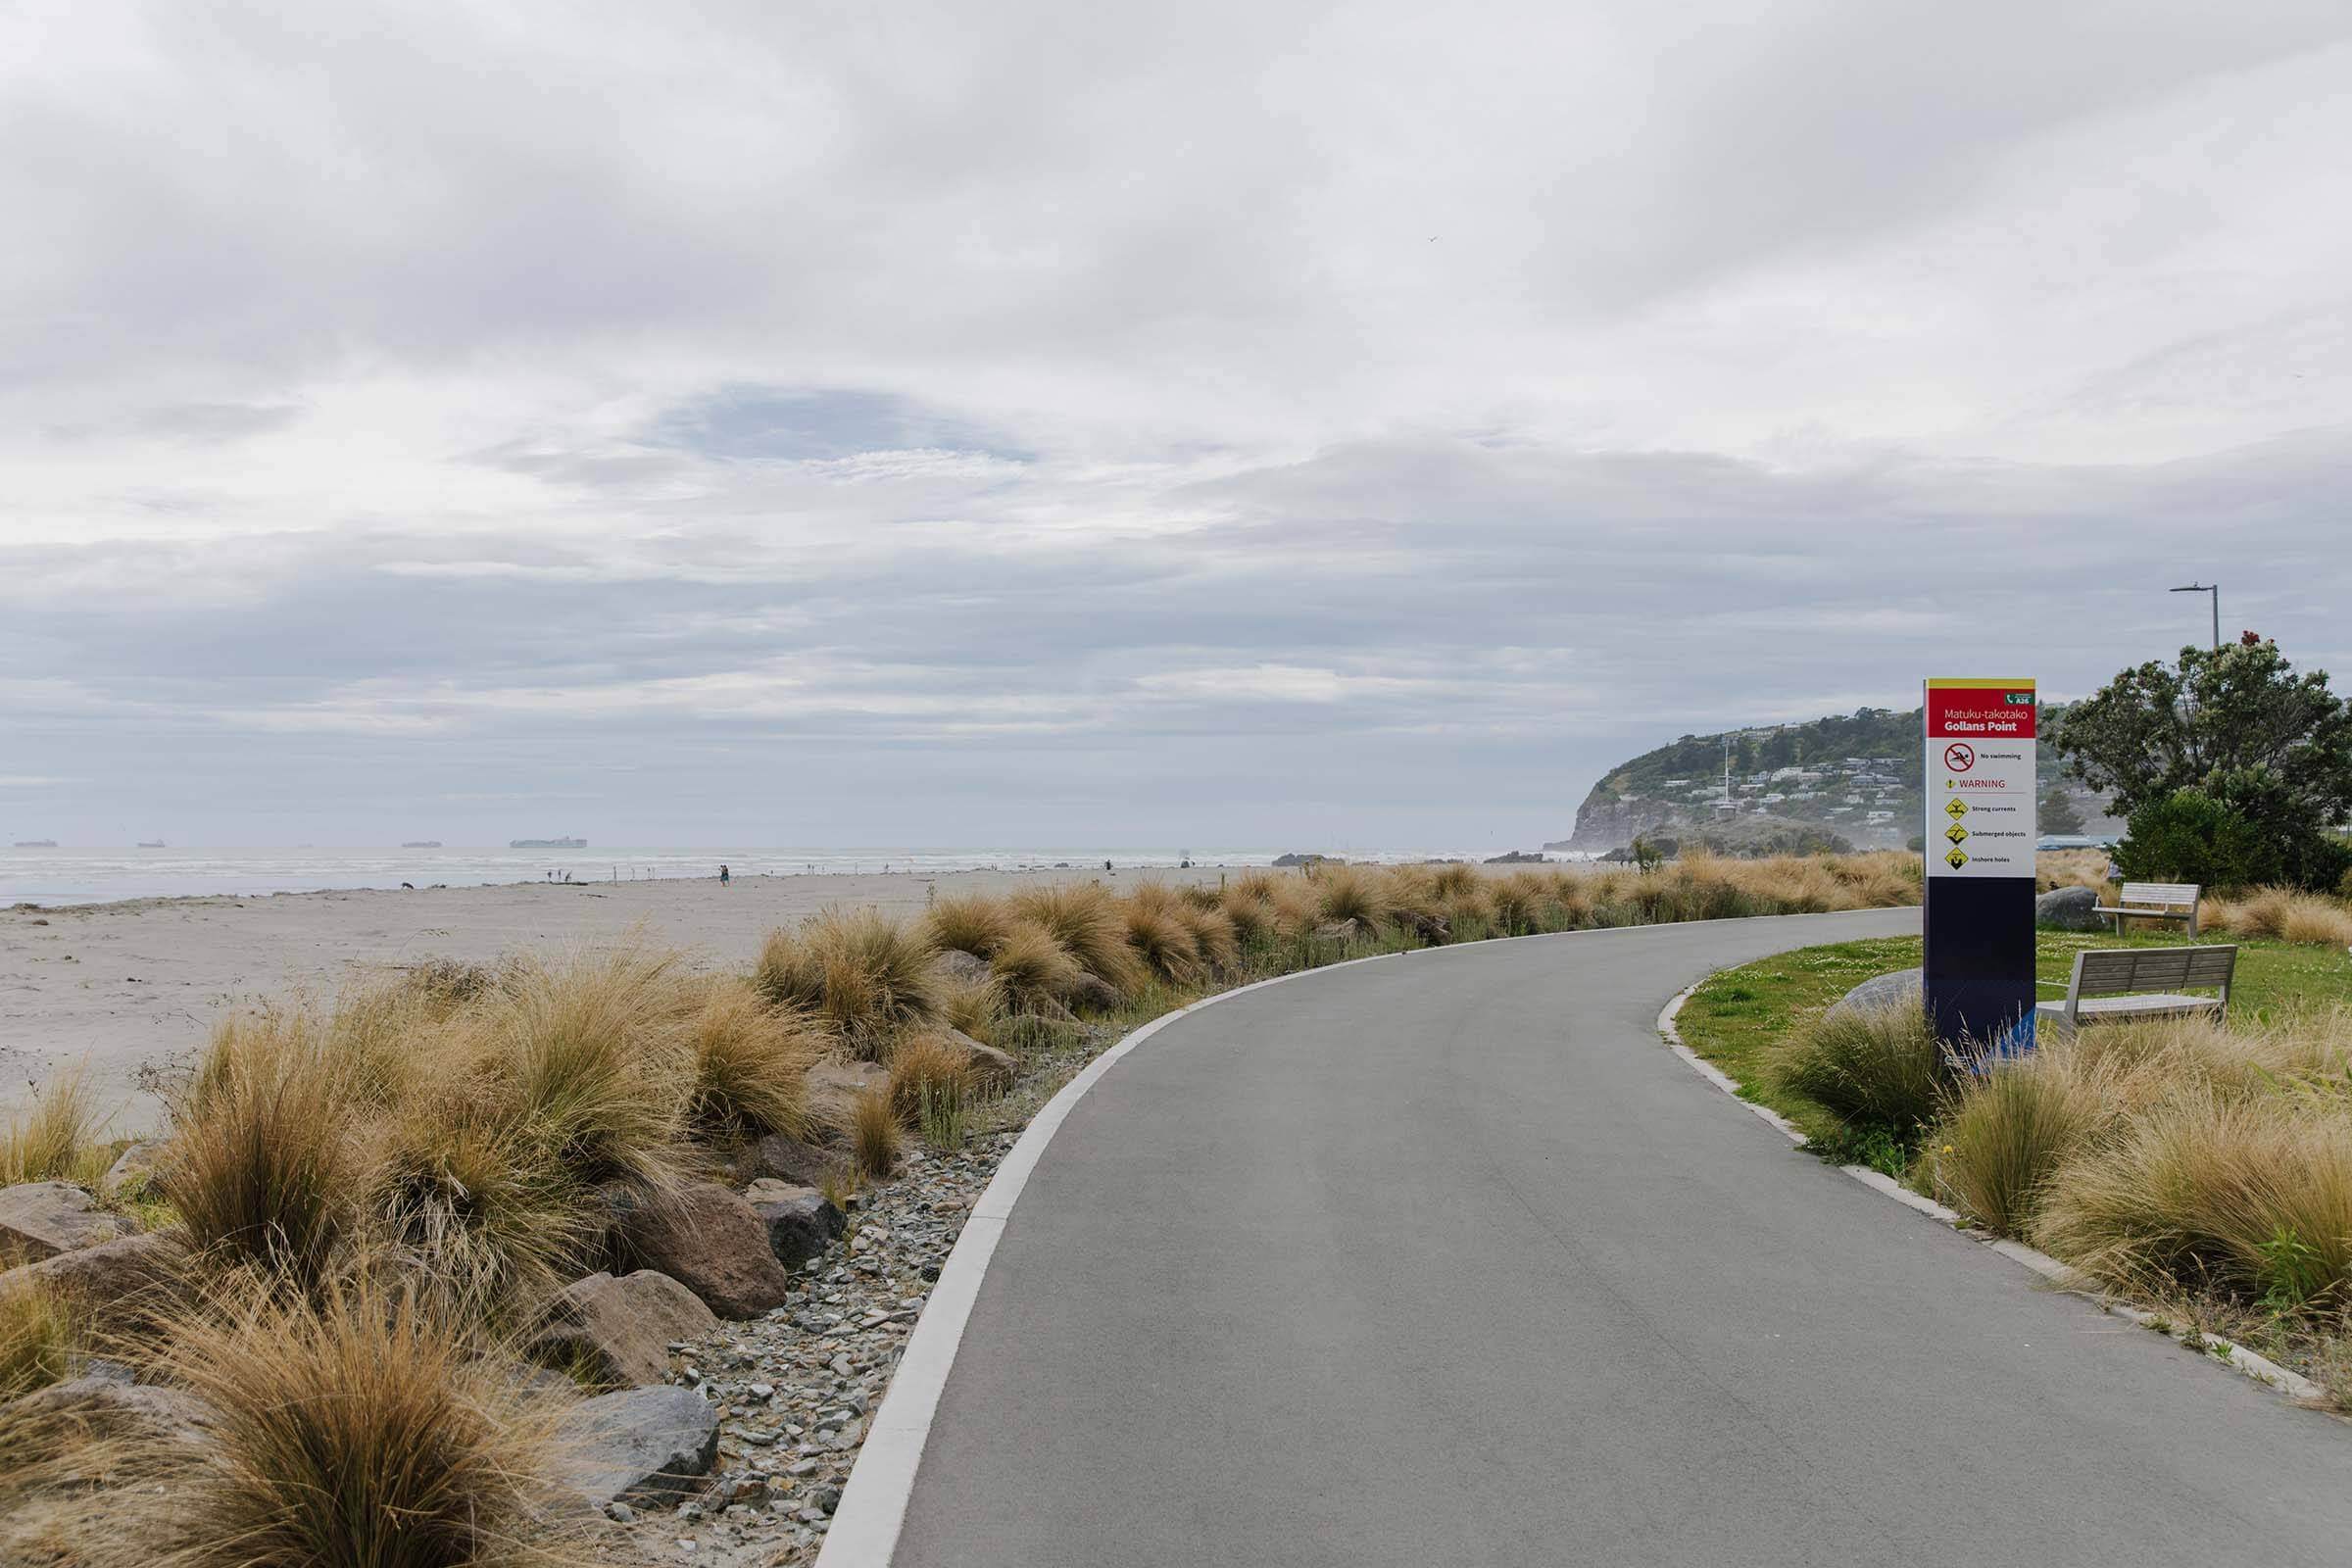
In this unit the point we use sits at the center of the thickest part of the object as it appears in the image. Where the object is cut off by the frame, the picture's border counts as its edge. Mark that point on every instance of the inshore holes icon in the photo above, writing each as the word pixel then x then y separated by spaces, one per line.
pixel 1956 860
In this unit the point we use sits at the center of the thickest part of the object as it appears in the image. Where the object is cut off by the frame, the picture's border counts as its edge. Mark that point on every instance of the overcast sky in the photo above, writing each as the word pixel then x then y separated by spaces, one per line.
pixel 1228 423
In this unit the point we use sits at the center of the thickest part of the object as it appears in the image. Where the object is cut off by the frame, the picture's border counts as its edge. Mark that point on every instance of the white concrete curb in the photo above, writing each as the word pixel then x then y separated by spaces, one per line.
pixel 2262 1370
pixel 866 1527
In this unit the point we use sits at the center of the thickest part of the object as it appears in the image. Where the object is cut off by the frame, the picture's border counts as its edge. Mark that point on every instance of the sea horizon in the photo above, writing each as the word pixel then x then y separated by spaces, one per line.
pixel 82 874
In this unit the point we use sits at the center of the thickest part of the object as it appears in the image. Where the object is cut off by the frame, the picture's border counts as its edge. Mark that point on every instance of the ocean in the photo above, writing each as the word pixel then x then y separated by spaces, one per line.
pixel 74 875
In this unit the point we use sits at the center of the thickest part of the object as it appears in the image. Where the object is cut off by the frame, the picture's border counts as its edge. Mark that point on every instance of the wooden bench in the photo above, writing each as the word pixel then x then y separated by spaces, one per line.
pixel 2113 984
pixel 2156 901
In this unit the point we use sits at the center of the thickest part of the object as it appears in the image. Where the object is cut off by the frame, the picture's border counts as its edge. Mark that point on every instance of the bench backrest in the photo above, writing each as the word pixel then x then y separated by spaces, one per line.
pixel 2166 894
pixel 2126 971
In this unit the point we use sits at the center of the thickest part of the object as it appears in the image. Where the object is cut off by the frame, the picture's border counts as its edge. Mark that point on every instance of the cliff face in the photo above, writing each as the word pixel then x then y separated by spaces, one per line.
pixel 1853 778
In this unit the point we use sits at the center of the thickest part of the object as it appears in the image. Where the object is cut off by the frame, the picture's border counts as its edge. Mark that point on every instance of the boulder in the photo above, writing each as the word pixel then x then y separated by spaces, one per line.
pixel 2069 909
pixel 103 1405
pixel 1092 991
pixel 834 1085
pixel 618 1331
pixel 991 1068
pixel 643 1445
pixel 709 1240
pixel 801 1222
pixel 132 1171
pixel 1346 930
pixel 788 1160
pixel 969 968
pixel 1430 928
pixel 1904 988
pixel 117 1284
pixel 41 1219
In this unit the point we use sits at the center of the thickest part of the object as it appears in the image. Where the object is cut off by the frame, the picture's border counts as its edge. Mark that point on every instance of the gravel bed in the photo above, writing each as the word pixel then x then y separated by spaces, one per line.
pixel 796 1389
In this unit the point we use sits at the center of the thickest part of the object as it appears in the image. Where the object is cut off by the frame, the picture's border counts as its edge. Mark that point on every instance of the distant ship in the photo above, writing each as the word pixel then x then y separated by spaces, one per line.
pixel 420 844
pixel 36 843
pixel 546 843
pixel 153 844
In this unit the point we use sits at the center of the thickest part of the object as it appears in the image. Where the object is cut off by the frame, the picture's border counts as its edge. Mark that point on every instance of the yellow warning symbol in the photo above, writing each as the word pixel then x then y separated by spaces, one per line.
pixel 1955 832
pixel 1955 859
pixel 1955 809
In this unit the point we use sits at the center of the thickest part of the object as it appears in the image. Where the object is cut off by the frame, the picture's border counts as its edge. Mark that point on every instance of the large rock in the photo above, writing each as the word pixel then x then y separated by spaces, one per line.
pixel 789 1160
pixel 801 1222
pixel 618 1331
pixel 644 1446
pixel 116 1285
pixel 707 1239
pixel 967 968
pixel 132 1173
pixel 41 1219
pixel 1091 989
pixel 102 1404
pixel 833 1086
pixel 2069 909
pixel 1903 987
pixel 990 1068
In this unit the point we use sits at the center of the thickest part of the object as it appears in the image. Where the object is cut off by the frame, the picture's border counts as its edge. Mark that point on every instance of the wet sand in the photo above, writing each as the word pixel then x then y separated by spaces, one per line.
pixel 121 987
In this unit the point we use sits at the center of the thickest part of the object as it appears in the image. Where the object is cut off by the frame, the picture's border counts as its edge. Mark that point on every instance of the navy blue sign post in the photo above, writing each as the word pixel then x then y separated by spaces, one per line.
pixel 1979 974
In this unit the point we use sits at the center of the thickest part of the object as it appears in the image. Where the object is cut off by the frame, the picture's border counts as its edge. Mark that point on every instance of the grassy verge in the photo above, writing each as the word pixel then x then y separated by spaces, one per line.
pixel 2202 1170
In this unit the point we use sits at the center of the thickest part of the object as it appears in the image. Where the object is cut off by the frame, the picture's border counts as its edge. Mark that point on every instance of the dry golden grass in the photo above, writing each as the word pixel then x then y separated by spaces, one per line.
pixel 1162 943
pixel 1993 1155
pixel 2070 868
pixel 365 1427
pixel 860 973
pixel 975 1008
pixel 1875 1066
pixel 1089 924
pixel 57 1139
pixel 750 1061
pixel 973 923
pixel 1036 972
pixel 926 1064
pixel 874 1134
pixel 1215 938
pixel 39 1343
pixel 261 1162
pixel 2249 1197
pixel 2283 914
pixel 1349 893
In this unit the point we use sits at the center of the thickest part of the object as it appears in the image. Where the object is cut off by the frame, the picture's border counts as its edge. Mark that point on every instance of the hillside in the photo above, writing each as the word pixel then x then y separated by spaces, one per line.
pixel 1854 777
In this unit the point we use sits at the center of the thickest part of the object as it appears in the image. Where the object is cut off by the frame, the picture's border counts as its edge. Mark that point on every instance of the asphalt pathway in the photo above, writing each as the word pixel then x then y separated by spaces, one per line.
pixel 1444 1259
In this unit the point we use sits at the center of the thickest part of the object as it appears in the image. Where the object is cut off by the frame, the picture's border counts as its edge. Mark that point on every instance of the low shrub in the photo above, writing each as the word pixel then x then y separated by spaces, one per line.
pixel 1878 1066
pixel 860 973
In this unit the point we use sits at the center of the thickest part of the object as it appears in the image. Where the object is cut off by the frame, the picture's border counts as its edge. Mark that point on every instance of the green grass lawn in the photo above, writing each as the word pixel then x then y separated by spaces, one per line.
pixel 1738 1018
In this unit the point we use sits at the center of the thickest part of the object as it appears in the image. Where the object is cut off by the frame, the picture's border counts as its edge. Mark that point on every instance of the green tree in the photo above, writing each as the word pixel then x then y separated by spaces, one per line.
pixel 2060 814
pixel 2268 750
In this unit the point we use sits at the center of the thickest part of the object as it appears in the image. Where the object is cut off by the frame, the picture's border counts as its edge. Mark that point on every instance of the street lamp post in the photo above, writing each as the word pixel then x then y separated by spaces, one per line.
pixel 2215 589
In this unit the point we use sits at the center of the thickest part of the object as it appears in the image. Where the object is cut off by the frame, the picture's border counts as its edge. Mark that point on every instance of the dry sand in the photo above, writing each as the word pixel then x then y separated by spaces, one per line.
pixel 121 987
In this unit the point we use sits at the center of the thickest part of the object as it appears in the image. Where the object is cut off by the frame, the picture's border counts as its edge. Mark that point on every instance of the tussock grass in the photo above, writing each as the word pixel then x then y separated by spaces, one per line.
pixel 260 1163
pixel 2282 913
pixel 473 1200
pixel 589 1055
pixel 860 973
pixel 1878 1066
pixel 874 1135
pixel 750 1062
pixel 1996 1153
pixel 976 1009
pixel 366 1427
pixel 1215 938
pixel 2252 1198
pixel 54 1140
pixel 926 1065
pixel 1089 924
pixel 1036 972
pixel 973 923
pixel 38 1342
pixel 1162 943
pixel 1347 893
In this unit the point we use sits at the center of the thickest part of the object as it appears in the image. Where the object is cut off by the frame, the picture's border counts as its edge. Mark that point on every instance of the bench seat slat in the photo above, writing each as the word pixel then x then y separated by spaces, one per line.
pixel 2154 1003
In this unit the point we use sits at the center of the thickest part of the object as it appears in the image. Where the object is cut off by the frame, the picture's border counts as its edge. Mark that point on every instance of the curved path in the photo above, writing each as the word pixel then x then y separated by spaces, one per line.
pixel 1444 1259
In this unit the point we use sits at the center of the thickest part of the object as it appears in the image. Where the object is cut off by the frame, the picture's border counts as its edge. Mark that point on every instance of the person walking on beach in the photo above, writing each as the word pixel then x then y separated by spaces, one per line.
pixel 722 876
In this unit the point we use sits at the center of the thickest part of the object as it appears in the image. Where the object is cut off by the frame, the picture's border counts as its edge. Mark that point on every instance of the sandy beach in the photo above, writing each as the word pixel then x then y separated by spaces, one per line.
pixel 125 986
